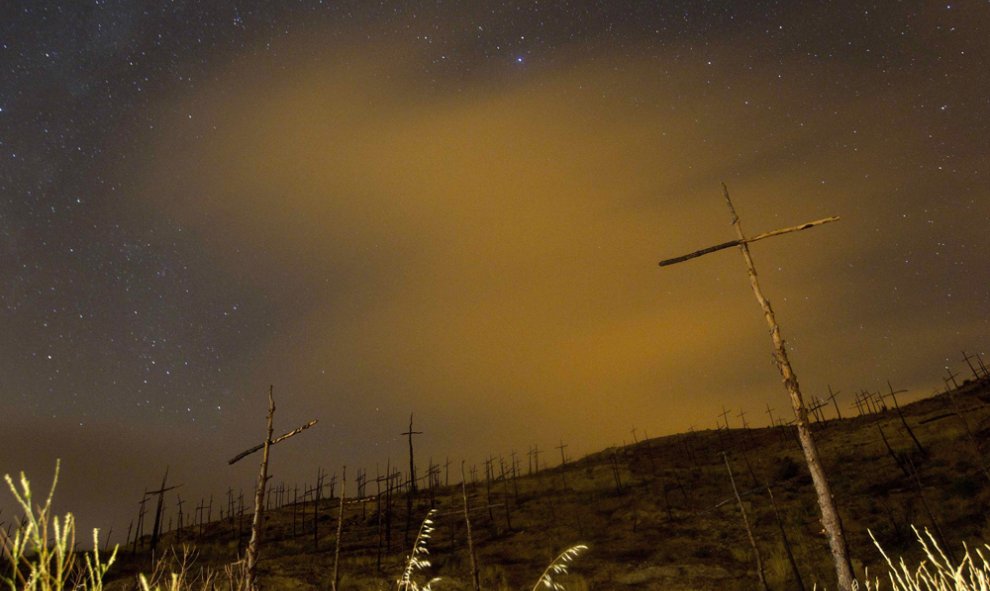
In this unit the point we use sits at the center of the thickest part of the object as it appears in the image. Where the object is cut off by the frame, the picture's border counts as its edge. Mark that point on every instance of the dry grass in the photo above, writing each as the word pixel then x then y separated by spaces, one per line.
pixel 41 555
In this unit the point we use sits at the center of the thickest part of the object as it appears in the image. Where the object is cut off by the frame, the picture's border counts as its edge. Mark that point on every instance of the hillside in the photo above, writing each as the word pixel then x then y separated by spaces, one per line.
pixel 659 514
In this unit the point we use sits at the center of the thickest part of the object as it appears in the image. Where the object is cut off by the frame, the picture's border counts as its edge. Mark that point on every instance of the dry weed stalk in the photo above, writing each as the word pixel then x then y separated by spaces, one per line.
pixel 41 555
pixel 418 558
pixel 558 566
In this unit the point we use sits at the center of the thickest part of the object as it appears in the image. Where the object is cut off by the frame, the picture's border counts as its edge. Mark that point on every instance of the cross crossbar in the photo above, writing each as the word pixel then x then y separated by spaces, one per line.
pixel 749 240
pixel 278 439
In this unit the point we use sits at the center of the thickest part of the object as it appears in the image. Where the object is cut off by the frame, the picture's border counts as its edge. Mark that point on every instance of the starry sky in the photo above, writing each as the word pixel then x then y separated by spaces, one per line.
pixel 457 210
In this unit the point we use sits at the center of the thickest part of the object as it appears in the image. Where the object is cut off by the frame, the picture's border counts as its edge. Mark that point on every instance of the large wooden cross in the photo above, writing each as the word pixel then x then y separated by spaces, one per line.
pixel 259 491
pixel 830 516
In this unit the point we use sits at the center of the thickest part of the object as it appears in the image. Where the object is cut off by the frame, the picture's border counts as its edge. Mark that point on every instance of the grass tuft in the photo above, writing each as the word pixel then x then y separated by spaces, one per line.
pixel 937 571
pixel 41 556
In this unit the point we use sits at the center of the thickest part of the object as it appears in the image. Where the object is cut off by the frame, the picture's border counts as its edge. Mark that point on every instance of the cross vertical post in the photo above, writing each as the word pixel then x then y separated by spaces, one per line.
pixel 156 531
pixel 831 397
pixel 259 491
pixel 725 417
pixel 952 378
pixel 829 514
pixel 563 458
pixel 412 464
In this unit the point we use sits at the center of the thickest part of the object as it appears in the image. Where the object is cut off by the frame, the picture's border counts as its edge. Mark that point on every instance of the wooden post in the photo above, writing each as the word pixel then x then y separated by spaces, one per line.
pixel 749 532
pixel 563 463
pixel 317 490
pixel 254 545
pixel 829 513
pixel 340 530
pixel 505 493
pixel 388 506
pixel 139 531
pixel 614 463
pixel 924 503
pixel 488 491
pixel 892 453
pixel 412 463
pixel 378 518
pixel 475 578
pixel 725 417
pixel 968 359
pixel 900 414
pixel 952 378
pixel 563 457
pixel 787 543
pixel 180 523
pixel 156 529
pixel 831 398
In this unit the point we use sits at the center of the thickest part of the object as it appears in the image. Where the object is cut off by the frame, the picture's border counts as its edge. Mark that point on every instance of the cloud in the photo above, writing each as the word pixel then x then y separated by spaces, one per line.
pixel 486 254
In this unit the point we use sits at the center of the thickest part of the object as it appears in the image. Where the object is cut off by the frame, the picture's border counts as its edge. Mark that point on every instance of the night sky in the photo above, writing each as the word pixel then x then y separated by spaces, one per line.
pixel 457 210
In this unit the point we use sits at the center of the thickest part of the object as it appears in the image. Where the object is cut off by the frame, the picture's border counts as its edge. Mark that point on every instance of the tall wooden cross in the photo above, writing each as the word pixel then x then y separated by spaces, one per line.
pixel 831 398
pixel 952 377
pixel 830 515
pixel 156 530
pixel 259 490
pixel 563 458
pixel 968 359
pixel 412 463
pixel 725 417
pixel 893 395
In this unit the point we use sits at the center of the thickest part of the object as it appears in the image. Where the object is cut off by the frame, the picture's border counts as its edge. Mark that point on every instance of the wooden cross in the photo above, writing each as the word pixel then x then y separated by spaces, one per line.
pixel 983 368
pixel 156 529
pixel 200 511
pixel 139 531
pixel 867 400
pixel 259 491
pixel 180 503
pixel 633 431
pixel 412 464
pixel 725 417
pixel 742 416
pixel 770 412
pixel 893 395
pixel 859 403
pixel 563 459
pixel 952 377
pixel 830 516
pixel 816 407
pixel 880 403
pixel 831 398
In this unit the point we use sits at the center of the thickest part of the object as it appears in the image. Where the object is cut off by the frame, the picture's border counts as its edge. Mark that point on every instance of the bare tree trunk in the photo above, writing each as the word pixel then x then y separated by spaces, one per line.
pixel 259 500
pixel 826 503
